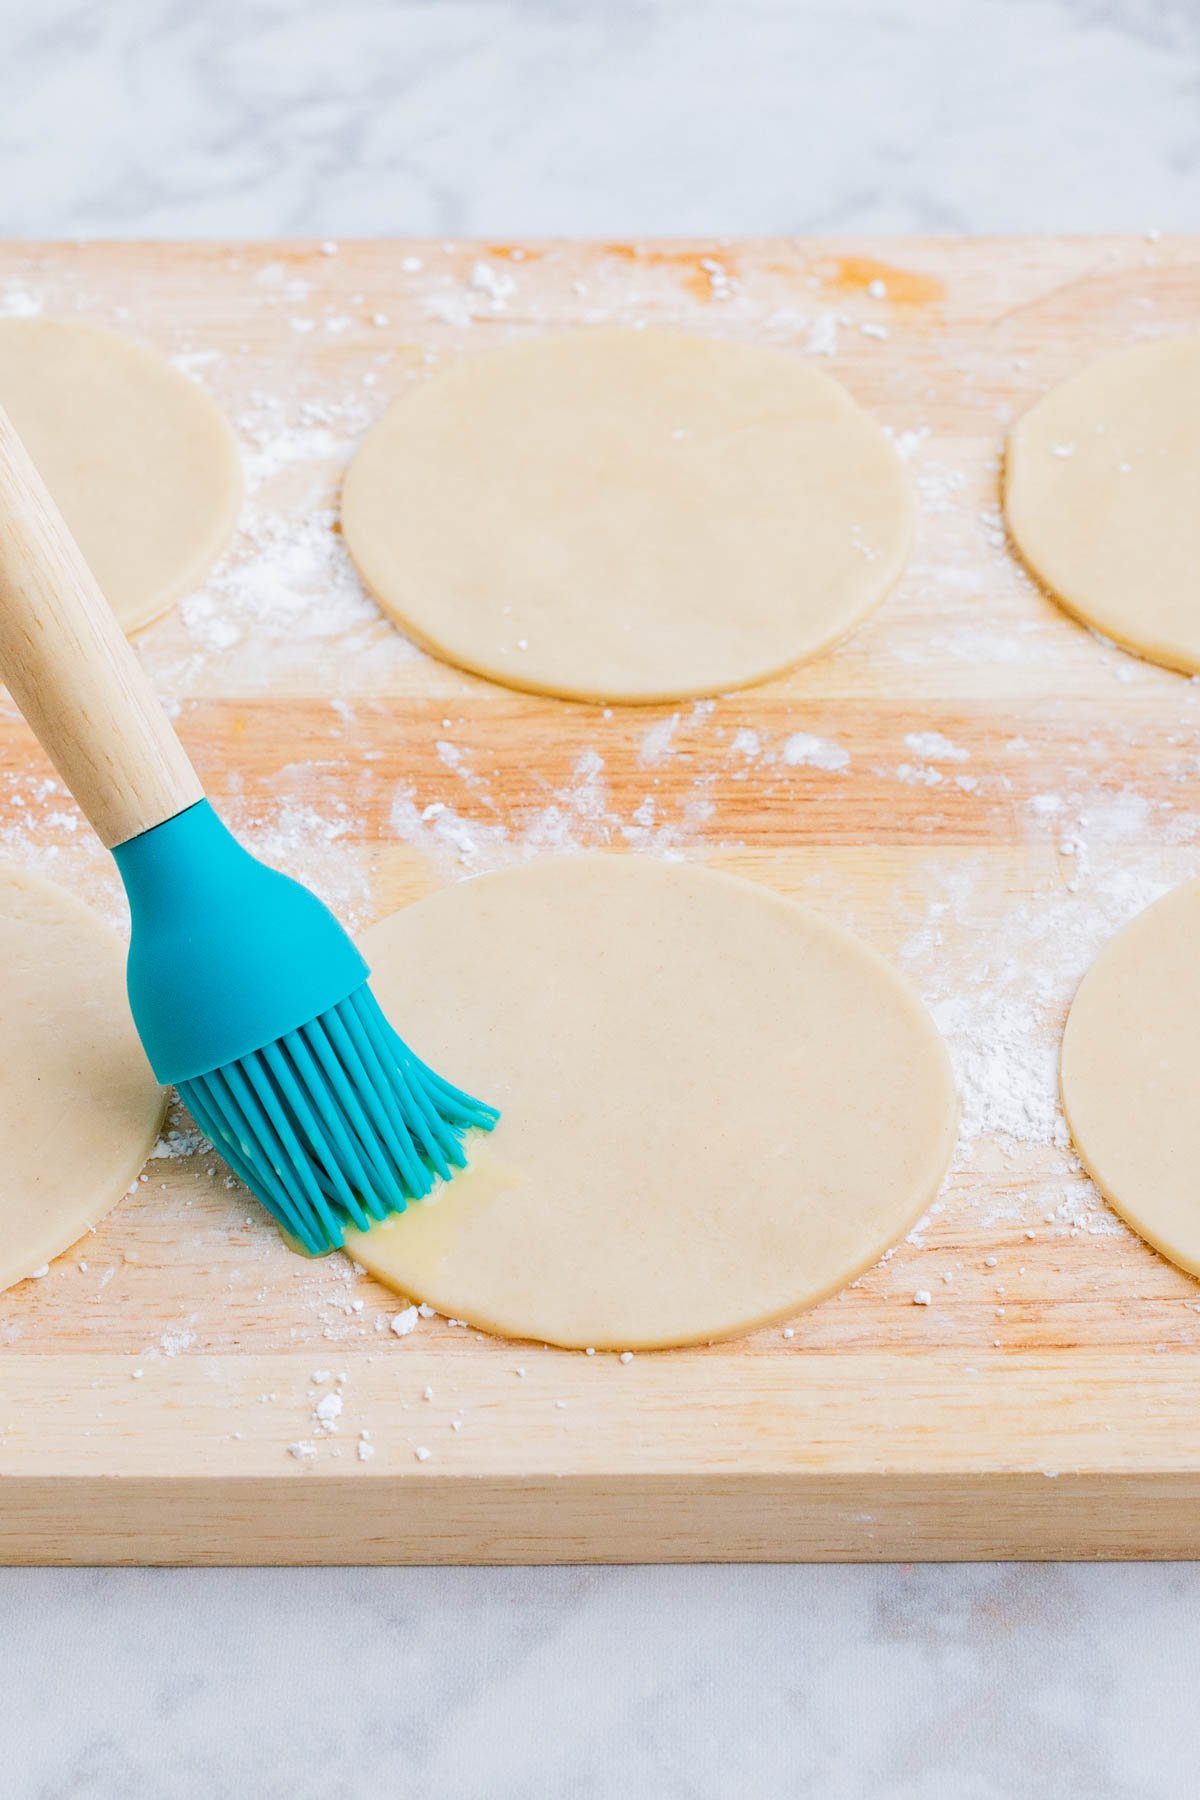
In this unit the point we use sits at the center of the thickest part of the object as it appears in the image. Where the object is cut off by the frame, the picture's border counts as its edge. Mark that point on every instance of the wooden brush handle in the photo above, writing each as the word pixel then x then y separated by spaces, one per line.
pixel 70 669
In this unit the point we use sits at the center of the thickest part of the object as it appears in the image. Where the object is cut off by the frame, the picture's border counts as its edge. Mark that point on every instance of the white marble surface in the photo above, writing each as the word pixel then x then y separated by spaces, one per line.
pixel 970 1683
pixel 171 118
pixel 174 118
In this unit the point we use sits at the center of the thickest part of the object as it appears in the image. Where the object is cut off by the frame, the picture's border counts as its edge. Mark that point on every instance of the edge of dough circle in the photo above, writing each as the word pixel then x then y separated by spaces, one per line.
pixel 79 1108
pixel 717 1107
pixel 143 465
pixel 1130 1052
pixel 1101 478
pixel 632 516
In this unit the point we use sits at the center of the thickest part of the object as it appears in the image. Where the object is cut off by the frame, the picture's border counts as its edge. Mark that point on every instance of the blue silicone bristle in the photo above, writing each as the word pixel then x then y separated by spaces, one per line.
pixel 336 1124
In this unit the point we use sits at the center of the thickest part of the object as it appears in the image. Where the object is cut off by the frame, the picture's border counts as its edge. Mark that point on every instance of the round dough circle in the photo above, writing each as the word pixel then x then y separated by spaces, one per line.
pixel 79 1108
pixel 628 515
pixel 143 466
pixel 717 1107
pixel 1129 1059
pixel 1101 485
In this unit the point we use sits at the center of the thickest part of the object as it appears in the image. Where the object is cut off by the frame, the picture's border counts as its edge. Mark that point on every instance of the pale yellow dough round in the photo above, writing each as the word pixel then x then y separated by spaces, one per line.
pixel 628 515
pixel 143 466
pixel 1102 492
pixel 717 1107
pixel 79 1108
pixel 1130 1074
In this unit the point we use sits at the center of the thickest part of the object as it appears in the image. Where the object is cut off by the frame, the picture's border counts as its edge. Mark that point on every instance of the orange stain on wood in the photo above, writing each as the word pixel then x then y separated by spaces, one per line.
pixel 513 253
pixel 699 266
pixel 854 274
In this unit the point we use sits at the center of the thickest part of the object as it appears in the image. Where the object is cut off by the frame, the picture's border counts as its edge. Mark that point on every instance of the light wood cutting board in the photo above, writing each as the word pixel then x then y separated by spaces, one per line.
pixel 1044 1402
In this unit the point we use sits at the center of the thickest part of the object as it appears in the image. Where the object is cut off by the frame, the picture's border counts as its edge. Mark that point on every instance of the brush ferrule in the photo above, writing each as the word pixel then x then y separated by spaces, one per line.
pixel 226 955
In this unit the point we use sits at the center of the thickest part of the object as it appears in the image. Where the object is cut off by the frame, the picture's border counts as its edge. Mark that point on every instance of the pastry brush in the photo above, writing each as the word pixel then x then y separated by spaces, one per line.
pixel 246 992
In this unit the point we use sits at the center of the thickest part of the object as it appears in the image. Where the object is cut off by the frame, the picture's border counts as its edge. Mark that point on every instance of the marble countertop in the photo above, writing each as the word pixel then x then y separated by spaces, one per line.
pixel 737 1683
pixel 168 119
pixel 165 118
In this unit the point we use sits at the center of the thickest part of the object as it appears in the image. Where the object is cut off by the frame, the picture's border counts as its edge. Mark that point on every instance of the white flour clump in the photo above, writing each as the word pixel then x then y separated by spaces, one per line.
pixel 655 746
pixel 823 335
pixel 290 579
pixel 17 302
pixel 803 750
pixel 934 747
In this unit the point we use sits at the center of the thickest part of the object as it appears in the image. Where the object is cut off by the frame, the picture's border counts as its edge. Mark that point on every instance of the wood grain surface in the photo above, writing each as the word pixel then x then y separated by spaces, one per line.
pixel 1043 1402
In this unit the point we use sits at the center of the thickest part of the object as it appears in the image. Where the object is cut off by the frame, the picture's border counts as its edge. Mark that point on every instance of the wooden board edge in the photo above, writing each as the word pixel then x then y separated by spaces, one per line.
pixel 273 1521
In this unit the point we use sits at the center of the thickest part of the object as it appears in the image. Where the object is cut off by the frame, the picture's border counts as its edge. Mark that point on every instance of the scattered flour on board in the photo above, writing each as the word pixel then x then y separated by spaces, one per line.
pixel 578 815
pixel 290 579
pixel 998 975
pixel 655 746
pixel 17 302
pixel 287 583
pixel 997 970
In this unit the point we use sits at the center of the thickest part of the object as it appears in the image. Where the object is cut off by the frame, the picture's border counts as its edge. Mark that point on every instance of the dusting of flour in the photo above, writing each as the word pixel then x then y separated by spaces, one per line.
pixel 997 960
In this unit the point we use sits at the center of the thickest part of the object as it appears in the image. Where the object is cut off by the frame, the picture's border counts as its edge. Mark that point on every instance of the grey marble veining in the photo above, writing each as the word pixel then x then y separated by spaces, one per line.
pixel 262 117
pixel 950 1683
pixel 172 118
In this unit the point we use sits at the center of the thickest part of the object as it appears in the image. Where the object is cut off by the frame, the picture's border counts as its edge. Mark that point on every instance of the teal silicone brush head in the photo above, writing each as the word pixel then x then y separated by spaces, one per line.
pixel 250 999
pixel 335 1124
